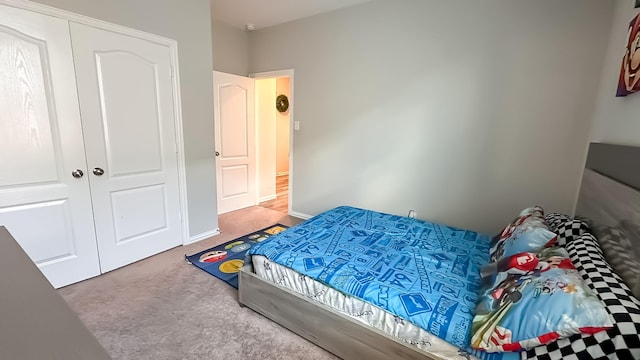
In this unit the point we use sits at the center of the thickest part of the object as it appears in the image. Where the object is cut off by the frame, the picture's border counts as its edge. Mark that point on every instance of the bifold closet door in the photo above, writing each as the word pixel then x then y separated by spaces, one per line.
pixel 44 189
pixel 127 107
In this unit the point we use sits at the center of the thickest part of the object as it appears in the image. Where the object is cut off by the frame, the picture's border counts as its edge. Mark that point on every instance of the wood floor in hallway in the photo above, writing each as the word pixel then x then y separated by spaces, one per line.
pixel 281 202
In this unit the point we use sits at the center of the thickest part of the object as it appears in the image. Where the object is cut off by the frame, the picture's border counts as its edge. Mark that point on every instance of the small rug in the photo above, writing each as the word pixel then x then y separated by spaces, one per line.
pixel 225 260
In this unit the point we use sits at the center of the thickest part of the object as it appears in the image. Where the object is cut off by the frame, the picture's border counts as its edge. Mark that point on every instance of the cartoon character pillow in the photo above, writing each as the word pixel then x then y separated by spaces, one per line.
pixel 534 212
pixel 528 232
pixel 529 299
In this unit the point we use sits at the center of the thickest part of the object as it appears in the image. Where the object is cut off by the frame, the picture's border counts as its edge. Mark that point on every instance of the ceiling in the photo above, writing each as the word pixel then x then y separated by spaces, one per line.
pixel 265 13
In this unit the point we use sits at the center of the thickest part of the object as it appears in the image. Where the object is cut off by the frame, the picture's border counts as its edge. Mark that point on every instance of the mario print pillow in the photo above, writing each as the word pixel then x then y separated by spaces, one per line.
pixel 529 232
pixel 529 299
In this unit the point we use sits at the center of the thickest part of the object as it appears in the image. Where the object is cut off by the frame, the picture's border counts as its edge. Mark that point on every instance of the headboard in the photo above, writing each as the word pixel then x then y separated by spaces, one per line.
pixel 609 193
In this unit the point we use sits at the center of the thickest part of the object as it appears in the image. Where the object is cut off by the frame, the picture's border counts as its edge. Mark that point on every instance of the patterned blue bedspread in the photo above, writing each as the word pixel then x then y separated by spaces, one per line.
pixel 422 272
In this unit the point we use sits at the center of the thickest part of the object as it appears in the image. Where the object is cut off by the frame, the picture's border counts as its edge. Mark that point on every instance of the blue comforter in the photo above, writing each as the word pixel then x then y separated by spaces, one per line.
pixel 422 272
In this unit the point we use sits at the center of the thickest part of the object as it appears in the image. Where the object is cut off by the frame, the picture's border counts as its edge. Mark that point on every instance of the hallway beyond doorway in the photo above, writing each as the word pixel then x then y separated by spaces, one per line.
pixel 281 202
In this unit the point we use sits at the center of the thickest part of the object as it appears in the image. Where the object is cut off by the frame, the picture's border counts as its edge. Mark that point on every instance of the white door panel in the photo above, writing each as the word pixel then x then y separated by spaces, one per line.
pixel 234 123
pixel 235 138
pixel 126 99
pixel 46 209
pixel 37 241
pixel 129 202
pixel 234 180
pixel 124 79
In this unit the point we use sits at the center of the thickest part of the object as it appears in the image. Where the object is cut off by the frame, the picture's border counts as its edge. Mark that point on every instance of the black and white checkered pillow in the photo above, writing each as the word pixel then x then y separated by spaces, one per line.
pixel 570 230
pixel 566 227
pixel 620 342
pixel 555 219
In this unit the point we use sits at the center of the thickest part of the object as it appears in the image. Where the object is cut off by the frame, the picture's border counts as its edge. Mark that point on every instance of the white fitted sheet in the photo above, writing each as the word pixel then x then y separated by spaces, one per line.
pixel 355 308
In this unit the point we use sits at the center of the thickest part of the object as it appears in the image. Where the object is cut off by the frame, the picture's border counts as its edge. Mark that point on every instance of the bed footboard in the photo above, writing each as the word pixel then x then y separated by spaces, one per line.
pixel 331 330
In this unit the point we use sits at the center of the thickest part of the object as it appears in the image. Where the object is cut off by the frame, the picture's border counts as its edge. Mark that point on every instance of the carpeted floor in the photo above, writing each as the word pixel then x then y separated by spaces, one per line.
pixel 163 308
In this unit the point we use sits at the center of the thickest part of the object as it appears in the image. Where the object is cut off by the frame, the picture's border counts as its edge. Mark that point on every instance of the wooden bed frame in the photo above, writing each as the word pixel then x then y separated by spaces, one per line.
pixel 350 339
pixel 320 324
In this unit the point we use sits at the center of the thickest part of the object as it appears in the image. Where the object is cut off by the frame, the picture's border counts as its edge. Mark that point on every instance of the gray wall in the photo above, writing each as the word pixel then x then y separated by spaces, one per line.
pixel 466 111
pixel 190 25
pixel 230 49
pixel 616 119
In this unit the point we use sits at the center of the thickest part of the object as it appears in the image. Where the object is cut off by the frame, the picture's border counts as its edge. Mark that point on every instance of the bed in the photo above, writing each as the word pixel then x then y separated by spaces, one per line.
pixel 351 318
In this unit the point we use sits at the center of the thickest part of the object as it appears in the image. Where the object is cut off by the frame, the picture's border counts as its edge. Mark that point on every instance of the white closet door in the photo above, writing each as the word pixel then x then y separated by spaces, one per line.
pixel 46 209
pixel 126 102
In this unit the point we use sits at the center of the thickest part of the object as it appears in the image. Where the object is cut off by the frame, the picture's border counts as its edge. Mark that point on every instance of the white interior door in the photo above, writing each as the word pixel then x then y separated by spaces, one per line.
pixel 234 103
pixel 46 209
pixel 126 102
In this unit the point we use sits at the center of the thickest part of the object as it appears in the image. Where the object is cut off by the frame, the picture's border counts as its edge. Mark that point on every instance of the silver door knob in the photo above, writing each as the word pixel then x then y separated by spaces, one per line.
pixel 98 172
pixel 77 173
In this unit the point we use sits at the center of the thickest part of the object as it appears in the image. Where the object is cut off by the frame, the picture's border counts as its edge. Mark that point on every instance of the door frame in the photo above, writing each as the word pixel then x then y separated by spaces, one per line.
pixel 175 82
pixel 278 74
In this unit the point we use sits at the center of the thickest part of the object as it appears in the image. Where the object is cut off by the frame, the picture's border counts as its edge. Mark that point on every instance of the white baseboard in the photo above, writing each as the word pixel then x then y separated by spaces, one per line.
pixel 282 173
pixel 300 215
pixel 267 198
pixel 202 236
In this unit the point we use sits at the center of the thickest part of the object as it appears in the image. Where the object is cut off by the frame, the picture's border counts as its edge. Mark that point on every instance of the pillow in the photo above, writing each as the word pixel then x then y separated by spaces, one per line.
pixel 533 299
pixel 537 211
pixel 534 211
pixel 555 219
pixel 622 341
pixel 570 230
pixel 526 233
pixel 631 229
pixel 620 254
pixel 611 239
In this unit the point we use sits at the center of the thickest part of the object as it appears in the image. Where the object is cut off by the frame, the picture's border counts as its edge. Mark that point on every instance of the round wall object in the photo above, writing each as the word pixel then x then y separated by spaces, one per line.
pixel 282 103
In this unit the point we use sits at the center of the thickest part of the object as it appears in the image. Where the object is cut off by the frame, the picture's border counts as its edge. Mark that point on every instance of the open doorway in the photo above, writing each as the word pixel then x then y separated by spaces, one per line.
pixel 274 110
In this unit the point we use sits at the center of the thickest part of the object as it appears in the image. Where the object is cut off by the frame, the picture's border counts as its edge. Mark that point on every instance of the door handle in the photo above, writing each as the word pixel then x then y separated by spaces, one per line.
pixel 98 171
pixel 217 153
pixel 77 173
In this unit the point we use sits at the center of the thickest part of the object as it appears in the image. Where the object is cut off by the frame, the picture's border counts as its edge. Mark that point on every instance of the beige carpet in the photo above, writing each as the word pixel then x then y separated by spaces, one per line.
pixel 163 308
